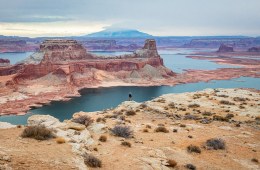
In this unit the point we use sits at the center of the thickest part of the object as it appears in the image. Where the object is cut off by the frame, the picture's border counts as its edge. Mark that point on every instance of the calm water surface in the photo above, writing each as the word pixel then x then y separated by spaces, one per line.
pixel 15 57
pixel 103 98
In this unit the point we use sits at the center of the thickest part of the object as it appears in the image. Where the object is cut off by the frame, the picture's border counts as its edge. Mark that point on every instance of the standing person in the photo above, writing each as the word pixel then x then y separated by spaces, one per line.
pixel 130 96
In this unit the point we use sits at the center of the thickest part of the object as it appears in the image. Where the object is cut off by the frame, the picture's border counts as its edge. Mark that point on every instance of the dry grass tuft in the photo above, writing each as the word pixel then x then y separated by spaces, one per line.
pixel 60 140
pixel 125 143
pixel 193 148
pixel 130 113
pixel 122 131
pixel 37 132
pixel 92 161
pixel 84 120
pixel 171 163
pixel 161 129
pixel 102 138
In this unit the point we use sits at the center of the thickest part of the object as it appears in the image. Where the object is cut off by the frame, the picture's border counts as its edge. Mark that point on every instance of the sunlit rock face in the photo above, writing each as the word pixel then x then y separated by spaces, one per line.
pixel 148 51
pixel 4 62
pixel 225 48
pixel 63 50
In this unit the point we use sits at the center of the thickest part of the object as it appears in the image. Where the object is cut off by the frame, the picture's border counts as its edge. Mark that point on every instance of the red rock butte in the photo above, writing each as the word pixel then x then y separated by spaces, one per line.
pixel 68 58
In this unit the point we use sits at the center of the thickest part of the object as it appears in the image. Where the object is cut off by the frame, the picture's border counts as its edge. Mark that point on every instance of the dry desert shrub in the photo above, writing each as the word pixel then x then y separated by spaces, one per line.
pixel 215 143
pixel 102 138
pixel 193 148
pixel 145 130
pixel 92 161
pixel 195 105
pixel 171 163
pixel 190 166
pixel 148 126
pixel 130 113
pixel 84 120
pixel 226 102
pixel 122 131
pixel 161 129
pixel 37 132
pixel 125 143
pixel 60 140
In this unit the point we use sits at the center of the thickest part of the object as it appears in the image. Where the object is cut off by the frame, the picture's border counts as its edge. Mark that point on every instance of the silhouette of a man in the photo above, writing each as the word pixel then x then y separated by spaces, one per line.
pixel 130 96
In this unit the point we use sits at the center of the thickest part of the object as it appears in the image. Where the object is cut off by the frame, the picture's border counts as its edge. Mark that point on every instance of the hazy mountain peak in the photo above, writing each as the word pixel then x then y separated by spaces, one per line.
pixel 119 33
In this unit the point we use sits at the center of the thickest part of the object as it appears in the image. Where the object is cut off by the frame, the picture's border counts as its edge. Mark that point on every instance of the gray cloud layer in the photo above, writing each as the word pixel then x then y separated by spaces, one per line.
pixel 162 16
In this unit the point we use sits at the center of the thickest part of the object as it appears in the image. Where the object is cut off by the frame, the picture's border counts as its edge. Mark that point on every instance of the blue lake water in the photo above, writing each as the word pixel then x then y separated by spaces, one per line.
pixel 15 57
pixel 103 98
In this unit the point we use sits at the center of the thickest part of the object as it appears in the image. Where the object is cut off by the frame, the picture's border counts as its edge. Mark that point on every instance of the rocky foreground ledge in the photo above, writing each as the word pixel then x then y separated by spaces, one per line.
pixel 209 129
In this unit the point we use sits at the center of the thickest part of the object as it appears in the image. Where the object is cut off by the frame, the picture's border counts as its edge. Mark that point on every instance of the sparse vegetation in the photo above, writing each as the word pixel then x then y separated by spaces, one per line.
pixel 102 138
pixel 60 140
pixel 130 113
pixel 175 130
pixel 229 115
pixel 222 95
pixel 143 105
pixel 84 120
pixel 92 161
pixel 125 143
pixel 122 131
pixel 195 105
pixel 37 132
pixel 145 130
pixel 225 102
pixel 254 160
pixel 207 113
pixel 215 143
pixel 171 105
pixel 161 129
pixel 182 125
pixel 190 166
pixel 191 117
pixel 193 148
pixel 148 126
pixel 101 119
pixel 171 163
pixel 220 118
pixel 239 99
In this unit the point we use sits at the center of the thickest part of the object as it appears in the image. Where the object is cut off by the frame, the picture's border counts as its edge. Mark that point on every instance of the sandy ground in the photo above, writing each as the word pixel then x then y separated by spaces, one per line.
pixel 151 150
pixel 30 154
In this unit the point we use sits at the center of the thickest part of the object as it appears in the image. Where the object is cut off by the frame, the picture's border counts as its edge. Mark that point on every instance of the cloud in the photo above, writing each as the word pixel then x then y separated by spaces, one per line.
pixel 159 17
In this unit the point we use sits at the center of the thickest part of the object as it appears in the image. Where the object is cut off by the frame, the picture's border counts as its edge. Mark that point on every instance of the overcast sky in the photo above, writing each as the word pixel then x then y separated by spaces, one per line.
pixel 157 17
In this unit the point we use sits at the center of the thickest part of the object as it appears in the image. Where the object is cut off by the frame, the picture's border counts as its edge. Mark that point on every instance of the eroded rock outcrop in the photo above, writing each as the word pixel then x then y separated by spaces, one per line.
pixel 254 49
pixel 4 62
pixel 225 48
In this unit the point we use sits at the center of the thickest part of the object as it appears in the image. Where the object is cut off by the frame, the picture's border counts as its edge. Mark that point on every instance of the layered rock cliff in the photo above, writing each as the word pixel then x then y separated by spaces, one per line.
pixel 225 48
pixel 4 62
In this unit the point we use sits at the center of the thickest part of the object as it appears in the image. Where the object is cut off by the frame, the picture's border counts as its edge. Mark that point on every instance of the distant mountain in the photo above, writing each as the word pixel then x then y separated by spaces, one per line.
pixel 119 33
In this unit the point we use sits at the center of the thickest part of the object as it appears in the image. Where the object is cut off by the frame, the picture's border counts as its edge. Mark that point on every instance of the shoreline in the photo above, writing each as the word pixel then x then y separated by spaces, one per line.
pixel 70 96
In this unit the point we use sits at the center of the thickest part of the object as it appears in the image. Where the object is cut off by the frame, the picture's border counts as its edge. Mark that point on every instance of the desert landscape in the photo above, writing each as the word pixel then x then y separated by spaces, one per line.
pixel 129 85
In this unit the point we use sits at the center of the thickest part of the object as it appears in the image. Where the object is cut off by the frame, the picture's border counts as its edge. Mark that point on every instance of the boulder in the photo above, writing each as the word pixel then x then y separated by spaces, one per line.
pixel 98 128
pixel 6 125
pixel 45 120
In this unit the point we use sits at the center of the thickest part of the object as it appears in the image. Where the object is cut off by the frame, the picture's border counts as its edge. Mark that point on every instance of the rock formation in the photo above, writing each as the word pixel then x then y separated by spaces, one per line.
pixel 225 48
pixel 254 49
pixel 148 51
pixel 4 62
pixel 61 67
pixel 56 51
